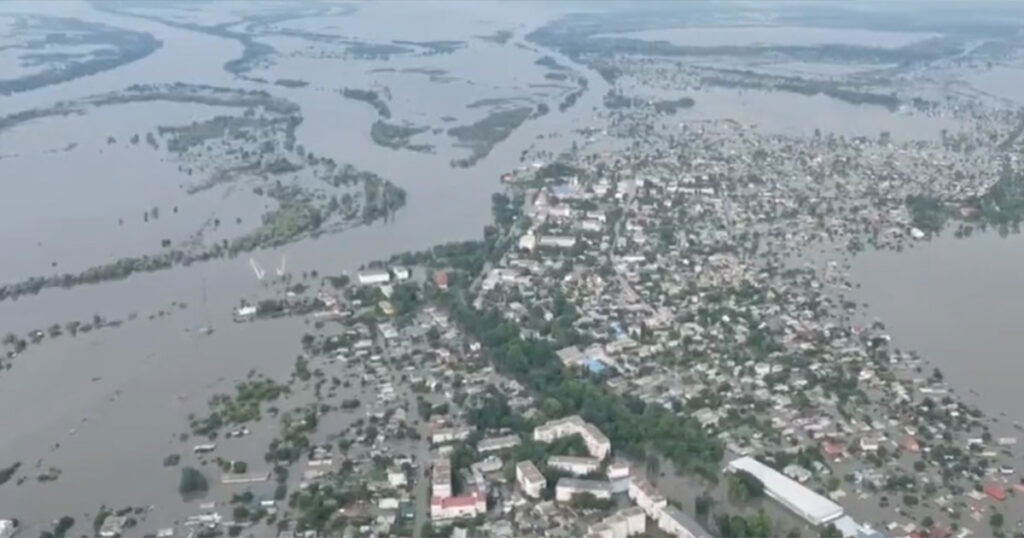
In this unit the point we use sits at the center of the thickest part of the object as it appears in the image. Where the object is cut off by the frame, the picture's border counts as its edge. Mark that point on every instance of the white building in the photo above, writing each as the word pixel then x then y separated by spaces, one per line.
pixel 490 464
pixel 645 496
pixel 557 241
pixel 113 526
pixel 621 524
pixel 442 508
pixel 567 487
pixel 574 465
pixel 7 528
pixel 246 312
pixel 560 211
pixel 814 508
pixel 528 242
pixel 441 478
pixel 530 479
pixel 558 428
pixel 396 477
pixel 618 469
pixel 597 443
pixel 601 530
pixel 571 356
pixel 401 273
pixel 636 520
pixel 448 435
pixel 373 276
pixel 678 524
pixel 498 443
pixel 869 444
pixel 618 475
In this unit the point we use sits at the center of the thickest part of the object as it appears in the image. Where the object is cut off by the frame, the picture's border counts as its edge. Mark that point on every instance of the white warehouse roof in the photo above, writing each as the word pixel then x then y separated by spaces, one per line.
pixel 804 502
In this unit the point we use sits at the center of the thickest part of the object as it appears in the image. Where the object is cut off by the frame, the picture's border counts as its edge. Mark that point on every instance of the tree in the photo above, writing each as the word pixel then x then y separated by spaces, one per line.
pixel 240 513
pixel 192 482
pixel 759 526
pixel 702 505
pixel 64 524
pixel 743 486
pixel 587 501
pixel 830 531
pixel 101 516
pixel 996 520
pixel 653 465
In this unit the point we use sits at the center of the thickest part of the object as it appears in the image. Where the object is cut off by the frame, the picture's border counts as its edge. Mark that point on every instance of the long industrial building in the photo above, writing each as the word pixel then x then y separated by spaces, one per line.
pixel 814 508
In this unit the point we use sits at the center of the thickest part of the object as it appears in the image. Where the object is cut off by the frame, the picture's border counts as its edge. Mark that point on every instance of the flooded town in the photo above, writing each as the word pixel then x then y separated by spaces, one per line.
pixel 465 269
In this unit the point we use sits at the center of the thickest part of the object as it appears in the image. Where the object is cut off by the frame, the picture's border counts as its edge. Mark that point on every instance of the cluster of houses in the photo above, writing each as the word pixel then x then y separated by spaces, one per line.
pixel 625 522
pixel 663 269
pixel 444 505
pixel 595 475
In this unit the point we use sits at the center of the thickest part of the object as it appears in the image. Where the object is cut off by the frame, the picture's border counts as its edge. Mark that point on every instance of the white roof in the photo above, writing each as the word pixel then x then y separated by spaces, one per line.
pixel 847 526
pixel 808 504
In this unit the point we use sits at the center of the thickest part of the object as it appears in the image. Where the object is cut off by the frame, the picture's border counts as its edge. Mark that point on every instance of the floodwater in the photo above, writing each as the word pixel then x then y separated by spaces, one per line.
pixel 772 112
pixel 716 36
pixel 1002 82
pixel 959 303
pixel 80 206
pixel 106 407
pixel 817 70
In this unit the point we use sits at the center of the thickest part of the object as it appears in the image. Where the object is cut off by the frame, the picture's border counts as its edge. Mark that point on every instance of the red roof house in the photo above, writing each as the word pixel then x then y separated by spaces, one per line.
pixel 996 492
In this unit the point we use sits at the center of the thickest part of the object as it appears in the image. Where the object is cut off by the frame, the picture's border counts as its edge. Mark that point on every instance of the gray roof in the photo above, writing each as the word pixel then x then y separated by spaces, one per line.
pixel 691 525
pixel 584 484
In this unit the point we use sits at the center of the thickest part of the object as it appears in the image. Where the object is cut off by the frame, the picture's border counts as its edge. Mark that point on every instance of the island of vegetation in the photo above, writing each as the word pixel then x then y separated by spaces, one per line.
pixel 369 97
pixel 481 136
pixel 106 48
pixel 397 136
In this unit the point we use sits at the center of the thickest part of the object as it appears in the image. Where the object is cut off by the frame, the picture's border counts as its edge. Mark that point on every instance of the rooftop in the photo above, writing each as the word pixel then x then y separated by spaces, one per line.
pixel 681 518
pixel 530 471
pixel 573 460
pixel 808 504
pixel 582 484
